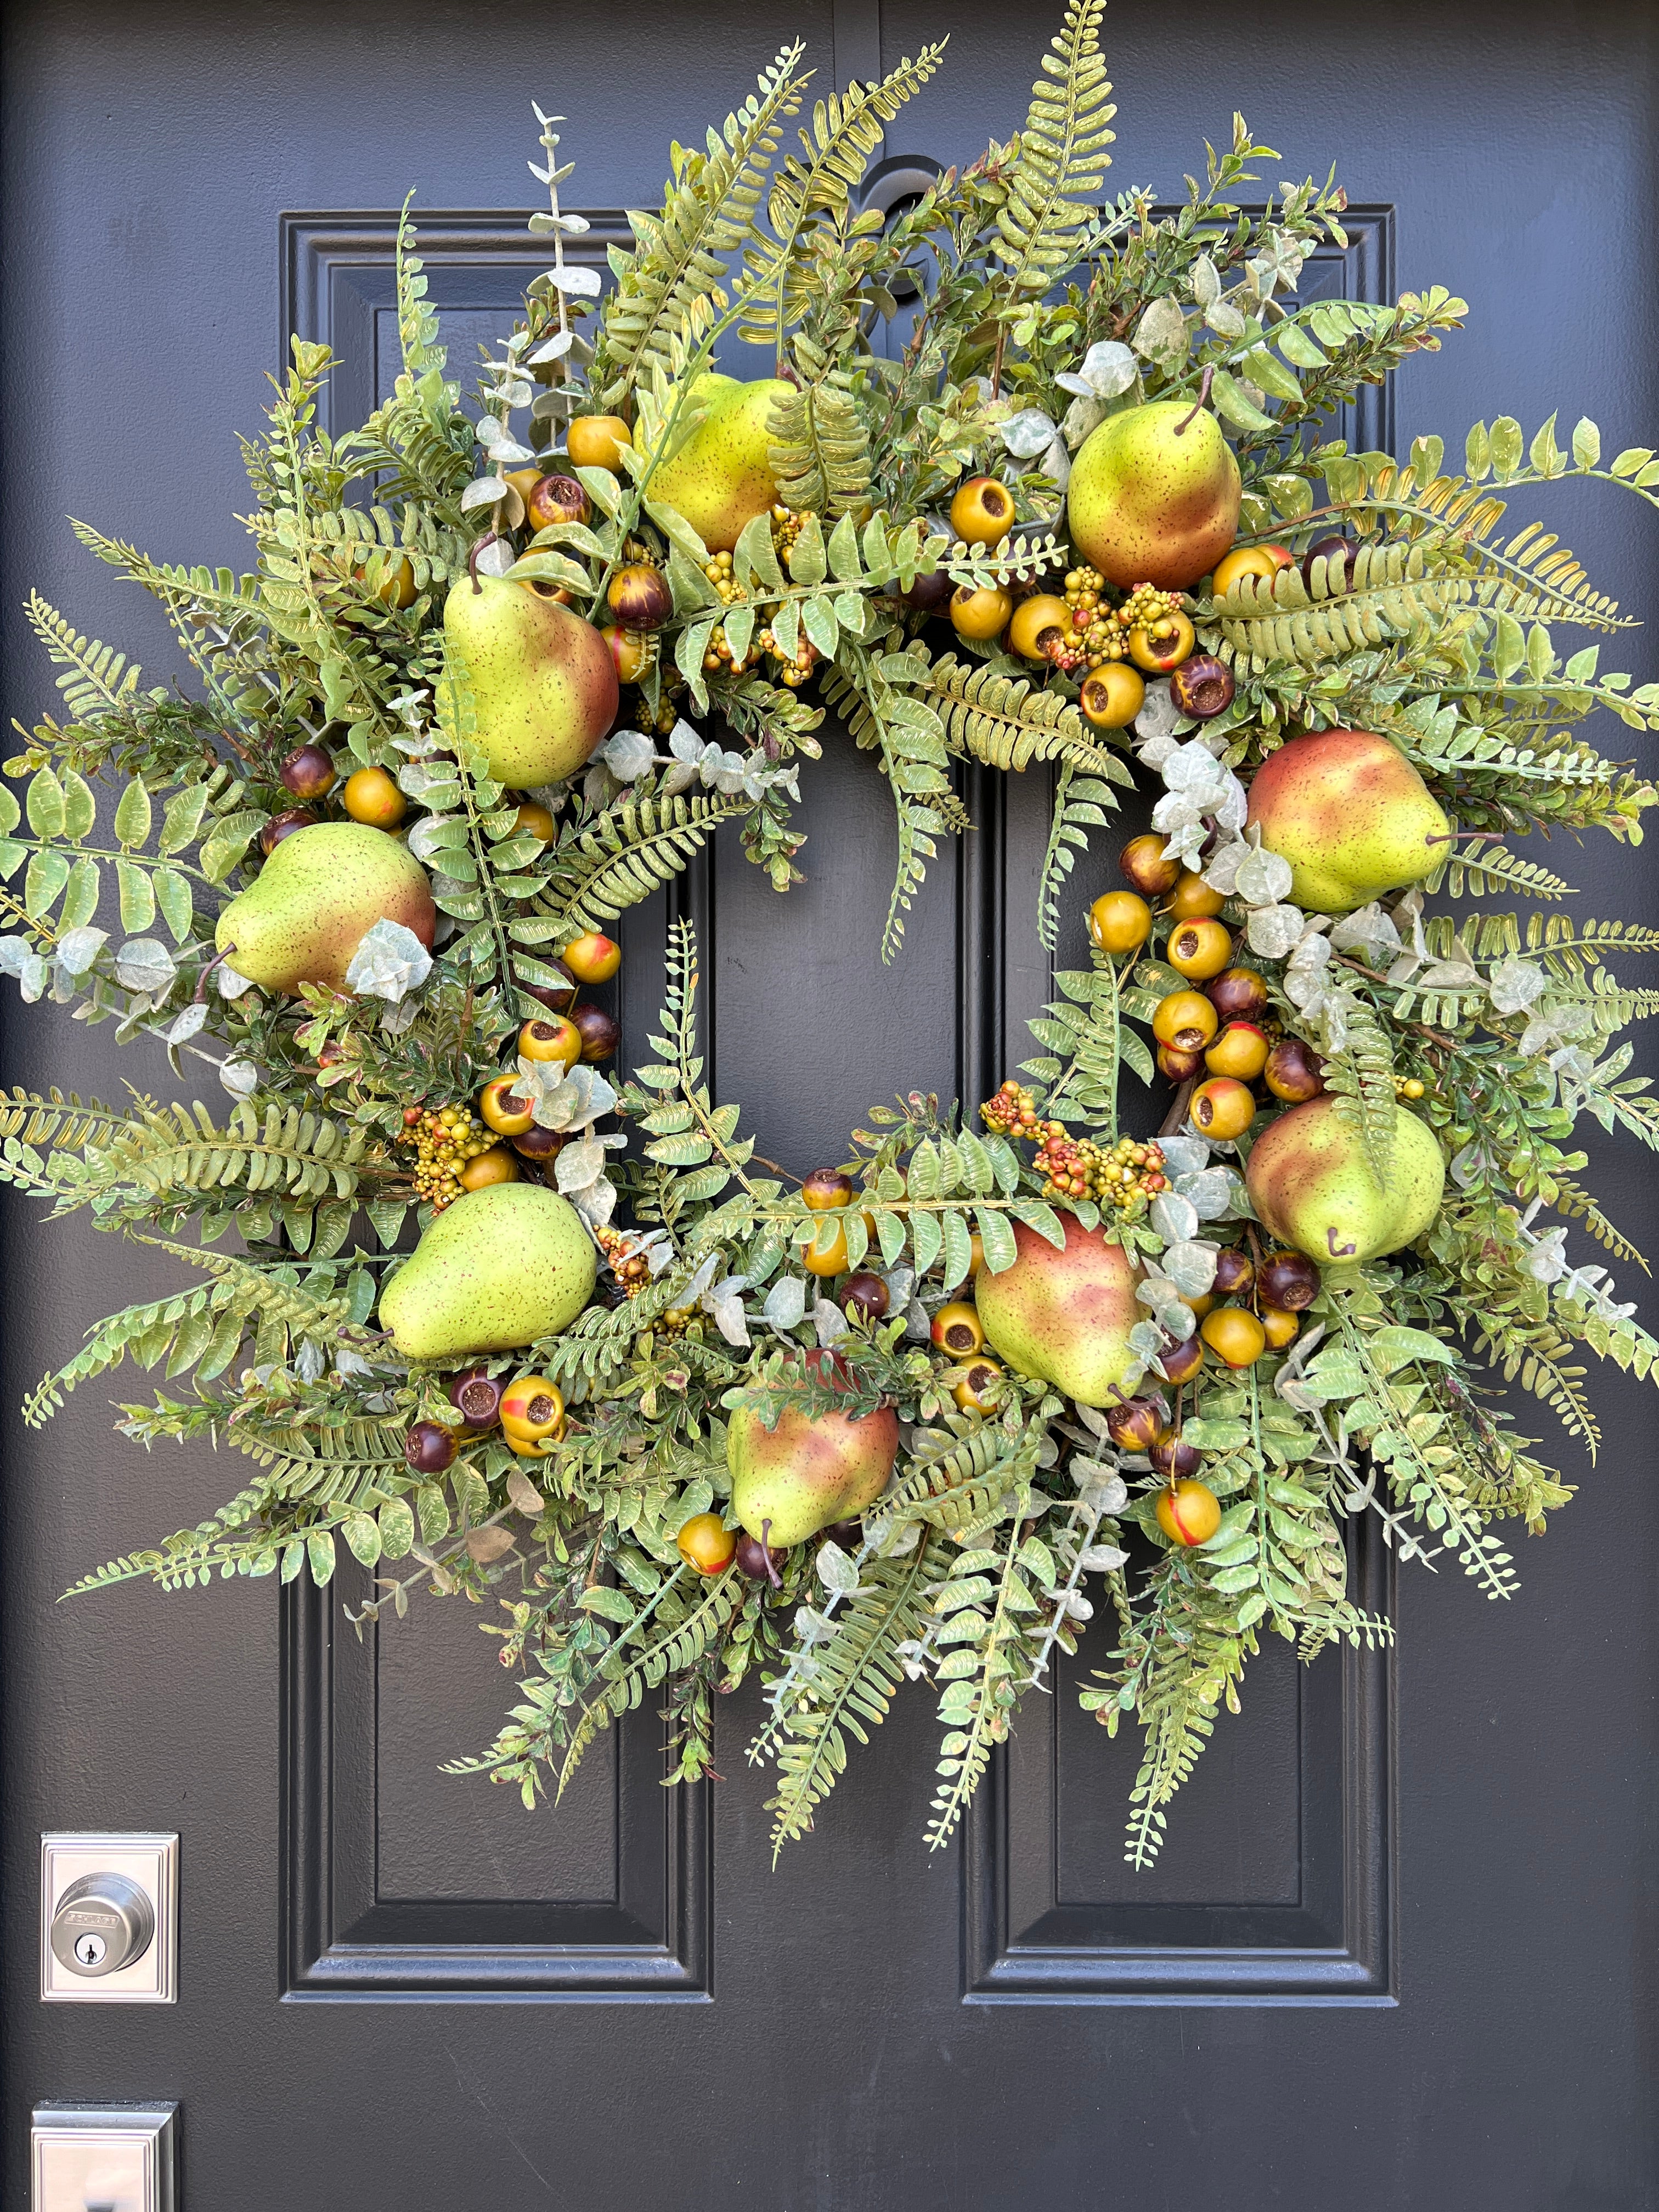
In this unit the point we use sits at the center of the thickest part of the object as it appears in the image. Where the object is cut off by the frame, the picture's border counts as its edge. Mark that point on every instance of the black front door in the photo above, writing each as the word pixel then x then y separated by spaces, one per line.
pixel 1397 1950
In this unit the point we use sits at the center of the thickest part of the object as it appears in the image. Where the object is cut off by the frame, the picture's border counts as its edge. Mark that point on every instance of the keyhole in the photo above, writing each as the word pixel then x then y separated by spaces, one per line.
pixel 89 1950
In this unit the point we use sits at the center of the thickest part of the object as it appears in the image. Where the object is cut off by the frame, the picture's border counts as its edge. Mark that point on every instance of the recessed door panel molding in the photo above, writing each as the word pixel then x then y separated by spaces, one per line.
pixel 339 285
pixel 1319 1927
pixel 343 1939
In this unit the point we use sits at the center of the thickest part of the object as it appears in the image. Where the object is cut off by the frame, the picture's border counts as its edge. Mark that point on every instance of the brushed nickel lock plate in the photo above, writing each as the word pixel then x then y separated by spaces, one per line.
pixel 109 1913
pixel 103 2158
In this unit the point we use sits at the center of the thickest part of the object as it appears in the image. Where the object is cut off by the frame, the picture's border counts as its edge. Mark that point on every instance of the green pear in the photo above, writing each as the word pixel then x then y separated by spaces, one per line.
pixel 1311 1181
pixel 1351 815
pixel 721 479
pixel 1064 1317
pixel 1153 495
pixel 496 1270
pixel 316 898
pixel 790 1481
pixel 544 684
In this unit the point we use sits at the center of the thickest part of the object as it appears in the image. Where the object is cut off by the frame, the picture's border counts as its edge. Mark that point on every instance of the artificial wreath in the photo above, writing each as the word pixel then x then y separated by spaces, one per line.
pixel 508 1328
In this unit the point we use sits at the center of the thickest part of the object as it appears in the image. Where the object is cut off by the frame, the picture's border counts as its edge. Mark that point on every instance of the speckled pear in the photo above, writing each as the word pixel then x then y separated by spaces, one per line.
pixel 1153 496
pixel 790 1481
pixel 315 899
pixel 719 479
pixel 1351 815
pixel 1064 1317
pixel 496 1270
pixel 1311 1181
pixel 544 684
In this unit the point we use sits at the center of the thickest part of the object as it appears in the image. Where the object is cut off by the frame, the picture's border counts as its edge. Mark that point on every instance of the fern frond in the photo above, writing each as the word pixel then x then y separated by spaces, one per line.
pixel 625 856
pixel 819 453
pixel 1007 723
pixel 96 679
pixel 685 1626
pixel 856 1674
pixel 1568 1196
pixel 846 131
pixel 1196 1658
pixel 161 1152
pixel 1476 871
pixel 908 739
pixel 1081 805
pixel 1360 1075
pixel 1538 1354
pixel 199 1328
pixel 196 596
pixel 1059 160
pixel 709 206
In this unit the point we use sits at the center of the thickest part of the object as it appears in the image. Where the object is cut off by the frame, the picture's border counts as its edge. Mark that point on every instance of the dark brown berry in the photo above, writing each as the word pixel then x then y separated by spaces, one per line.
pixel 429 1447
pixel 477 1396
pixel 538 1144
pixel 1141 862
pixel 865 1293
pixel 1173 1459
pixel 555 997
pixel 308 771
pixel 1182 1361
pixel 1201 685
pixel 284 825
pixel 1178 1065
pixel 825 1187
pixel 1233 1273
pixel 639 596
pixel 1238 995
pixel 1135 1423
pixel 1294 1072
pixel 1289 1280
pixel 555 499
pixel 599 1034
pixel 930 595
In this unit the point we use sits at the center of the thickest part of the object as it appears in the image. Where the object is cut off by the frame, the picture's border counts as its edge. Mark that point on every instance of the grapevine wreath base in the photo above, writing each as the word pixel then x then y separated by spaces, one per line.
pixel 665 1413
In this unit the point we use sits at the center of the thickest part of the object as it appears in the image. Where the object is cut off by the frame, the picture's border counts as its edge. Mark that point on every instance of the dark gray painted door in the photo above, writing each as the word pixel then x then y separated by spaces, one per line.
pixel 1400 1949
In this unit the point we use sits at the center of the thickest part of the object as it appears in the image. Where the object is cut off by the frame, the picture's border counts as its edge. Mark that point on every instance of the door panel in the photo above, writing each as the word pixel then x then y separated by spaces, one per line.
pixel 1395 1952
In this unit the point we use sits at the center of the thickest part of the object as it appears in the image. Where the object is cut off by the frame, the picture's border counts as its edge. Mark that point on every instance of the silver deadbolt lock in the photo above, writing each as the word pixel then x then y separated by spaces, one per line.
pixel 109 1918
pixel 103 1922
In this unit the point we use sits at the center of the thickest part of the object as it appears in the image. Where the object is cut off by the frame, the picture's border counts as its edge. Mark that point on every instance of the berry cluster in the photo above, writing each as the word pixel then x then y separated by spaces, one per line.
pixel 719 573
pixel 1124 1177
pixel 1012 1112
pixel 443 1142
pixel 1147 607
pixel 785 529
pixel 718 654
pixel 1100 637
pixel 659 724
pixel 1103 630
pixel 626 1262
pixel 1408 1086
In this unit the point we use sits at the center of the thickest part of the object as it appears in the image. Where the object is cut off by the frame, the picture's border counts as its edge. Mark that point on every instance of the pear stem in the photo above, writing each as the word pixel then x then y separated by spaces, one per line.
pixel 772 1574
pixel 489 539
pixel 1451 836
pixel 1185 424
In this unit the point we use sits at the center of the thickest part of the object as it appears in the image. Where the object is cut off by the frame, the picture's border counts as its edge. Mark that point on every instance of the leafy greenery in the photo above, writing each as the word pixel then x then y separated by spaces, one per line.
pixel 1011 1514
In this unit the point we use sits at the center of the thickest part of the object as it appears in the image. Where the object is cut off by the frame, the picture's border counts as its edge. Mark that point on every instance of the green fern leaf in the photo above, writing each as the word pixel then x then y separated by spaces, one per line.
pixel 1059 159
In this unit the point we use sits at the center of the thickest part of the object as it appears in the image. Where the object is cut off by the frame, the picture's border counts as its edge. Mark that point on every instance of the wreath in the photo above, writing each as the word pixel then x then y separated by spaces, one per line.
pixel 506 1327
